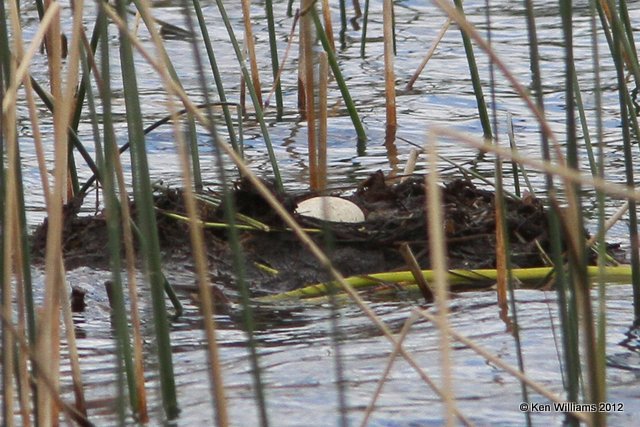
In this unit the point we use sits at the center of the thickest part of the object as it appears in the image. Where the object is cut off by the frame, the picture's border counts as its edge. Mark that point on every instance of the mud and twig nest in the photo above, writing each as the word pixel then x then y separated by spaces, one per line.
pixel 277 261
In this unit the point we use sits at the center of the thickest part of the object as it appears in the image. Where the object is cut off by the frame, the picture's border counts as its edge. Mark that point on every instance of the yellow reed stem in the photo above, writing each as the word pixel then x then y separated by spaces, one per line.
pixel 389 73
pixel 322 119
pixel 251 48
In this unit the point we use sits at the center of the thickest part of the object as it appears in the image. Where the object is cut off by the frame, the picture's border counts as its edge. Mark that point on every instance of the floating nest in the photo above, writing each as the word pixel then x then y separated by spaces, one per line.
pixel 276 261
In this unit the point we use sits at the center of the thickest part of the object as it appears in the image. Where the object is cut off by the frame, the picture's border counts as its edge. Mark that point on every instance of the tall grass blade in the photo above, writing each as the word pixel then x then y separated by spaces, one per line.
pixel 216 75
pixel 600 197
pixel 251 50
pixel 257 104
pixel 365 21
pixel 439 264
pixel 335 69
pixel 475 78
pixel 389 72
pixel 328 25
pixel 275 65
pixel 575 227
pixel 207 308
pixel 150 245
pixel 107 155
pixel 617 42
pixel 322 121
pixel 308 80
pixel 343 23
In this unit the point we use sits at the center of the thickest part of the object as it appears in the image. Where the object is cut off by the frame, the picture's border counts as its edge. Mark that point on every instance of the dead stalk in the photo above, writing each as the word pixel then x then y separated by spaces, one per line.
pixel 251 48
pixel 430 52
pixel 322 119
pixel 440 284
pixel 389 73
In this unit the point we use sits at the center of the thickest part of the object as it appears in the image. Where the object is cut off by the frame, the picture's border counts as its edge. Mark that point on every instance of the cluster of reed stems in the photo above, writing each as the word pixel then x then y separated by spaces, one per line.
pixel 82 86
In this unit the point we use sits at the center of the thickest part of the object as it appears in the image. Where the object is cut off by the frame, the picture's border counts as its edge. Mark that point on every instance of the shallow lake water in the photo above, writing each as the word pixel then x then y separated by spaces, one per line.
pixel 297 351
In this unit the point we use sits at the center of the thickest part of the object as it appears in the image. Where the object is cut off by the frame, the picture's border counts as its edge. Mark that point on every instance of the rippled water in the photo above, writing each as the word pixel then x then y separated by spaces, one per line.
pixel 296 348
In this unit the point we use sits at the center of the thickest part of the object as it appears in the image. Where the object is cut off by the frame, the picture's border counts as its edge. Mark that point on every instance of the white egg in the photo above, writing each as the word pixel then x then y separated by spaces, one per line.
pixel 329 208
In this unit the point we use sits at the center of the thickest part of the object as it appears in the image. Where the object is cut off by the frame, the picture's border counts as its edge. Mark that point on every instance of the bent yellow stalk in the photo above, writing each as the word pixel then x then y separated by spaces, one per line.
pixel 457 279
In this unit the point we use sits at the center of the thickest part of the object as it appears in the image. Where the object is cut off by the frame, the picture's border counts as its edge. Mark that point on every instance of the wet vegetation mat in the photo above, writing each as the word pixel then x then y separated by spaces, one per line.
pixel 276 261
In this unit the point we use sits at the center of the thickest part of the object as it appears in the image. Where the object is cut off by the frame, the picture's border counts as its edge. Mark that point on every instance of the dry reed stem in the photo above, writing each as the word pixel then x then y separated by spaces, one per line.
pixel 48 382
pixel 132 287
pixel 406 327
pixel 568 174
pixel 22 71
pixel 410 166
pixel 322 121
pixel 520 89
pixel 67 112
pixel 197 241
pixel 260 187
pixel 284 59
pixel 437 248
pixel 610 222
pixel 389 73
pixel 12 247
pixel 416 271
pixel 501 250
pixel 76 374
pixel 33 114
pixel 251 48
pixel 9 238
pixel 572 209
pixel 48 323
pixel 328 25
pixel 132 283
pixel 22 371
pixel 430 52
pixel 497 361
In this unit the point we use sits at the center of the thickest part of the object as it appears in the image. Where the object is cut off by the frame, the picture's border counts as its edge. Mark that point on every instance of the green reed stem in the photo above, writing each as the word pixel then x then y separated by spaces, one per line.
pixel 365 20
pixel 191 125
pixel 192 139
pixel 601 199
pixel 631 51
pixel 629 165
pixel 73 136
pixel 618 28
pixel 514 164
pixel 254 97
pixel 502 232
pixel 583 123
pixel 335 69
pixel 106 164
pixel 343 23
pixel 275 63
pixel 513 307
pixel 607 30
pixel 576 247
pixel 146 216
pixel 236 249
pixel 290 8
pixel 571 359
pixel 475 79
pixel 5 361
pixel 216 73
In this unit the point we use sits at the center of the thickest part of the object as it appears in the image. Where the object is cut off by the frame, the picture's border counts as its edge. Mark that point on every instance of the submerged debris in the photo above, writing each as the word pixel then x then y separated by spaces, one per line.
pixel 276 261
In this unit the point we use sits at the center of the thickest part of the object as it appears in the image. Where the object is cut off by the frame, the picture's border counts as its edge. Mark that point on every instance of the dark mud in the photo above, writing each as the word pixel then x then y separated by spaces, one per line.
pixel 276 261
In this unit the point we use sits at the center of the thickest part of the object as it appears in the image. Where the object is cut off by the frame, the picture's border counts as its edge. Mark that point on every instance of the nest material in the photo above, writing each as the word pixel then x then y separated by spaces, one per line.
pixel 395 214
